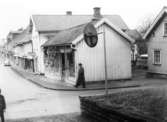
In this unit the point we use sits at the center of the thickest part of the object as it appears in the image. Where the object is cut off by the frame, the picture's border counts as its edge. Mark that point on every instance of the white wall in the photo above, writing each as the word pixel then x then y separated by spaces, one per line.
pixel 158 41
pixel 118 57
pixel 42 40
pixel 35 41
pixel 38 40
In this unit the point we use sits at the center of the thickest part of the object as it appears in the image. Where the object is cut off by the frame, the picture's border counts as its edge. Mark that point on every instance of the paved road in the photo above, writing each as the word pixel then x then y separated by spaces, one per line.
pixel 26 99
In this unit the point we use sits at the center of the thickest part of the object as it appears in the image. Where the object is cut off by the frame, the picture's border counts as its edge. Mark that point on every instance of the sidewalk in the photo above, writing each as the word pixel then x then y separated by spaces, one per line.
pixel 71 117
pixel 47 83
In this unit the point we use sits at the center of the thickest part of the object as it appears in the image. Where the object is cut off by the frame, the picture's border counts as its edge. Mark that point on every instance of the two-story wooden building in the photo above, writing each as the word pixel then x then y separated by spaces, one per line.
pixel 156 38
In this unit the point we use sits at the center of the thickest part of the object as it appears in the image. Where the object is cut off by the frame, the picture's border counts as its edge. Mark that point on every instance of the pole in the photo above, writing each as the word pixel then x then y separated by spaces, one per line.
pixel 105 63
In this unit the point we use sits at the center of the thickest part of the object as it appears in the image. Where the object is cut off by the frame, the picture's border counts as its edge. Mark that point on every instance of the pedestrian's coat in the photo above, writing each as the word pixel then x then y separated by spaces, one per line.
pixel 80 77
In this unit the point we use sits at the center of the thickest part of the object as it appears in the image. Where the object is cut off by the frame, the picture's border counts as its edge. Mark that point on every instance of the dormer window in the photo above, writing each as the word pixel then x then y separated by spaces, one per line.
pixel 165 29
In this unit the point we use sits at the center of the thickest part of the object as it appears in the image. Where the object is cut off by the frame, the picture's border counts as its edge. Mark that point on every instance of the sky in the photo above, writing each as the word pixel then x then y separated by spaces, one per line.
pixel 16 13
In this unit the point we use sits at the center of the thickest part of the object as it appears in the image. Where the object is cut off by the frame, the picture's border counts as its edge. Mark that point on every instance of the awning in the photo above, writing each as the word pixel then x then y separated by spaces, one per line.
pixel 30 55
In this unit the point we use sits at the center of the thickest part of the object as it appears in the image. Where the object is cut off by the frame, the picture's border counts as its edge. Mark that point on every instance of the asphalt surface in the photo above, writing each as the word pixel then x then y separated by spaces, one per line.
pixel 25 99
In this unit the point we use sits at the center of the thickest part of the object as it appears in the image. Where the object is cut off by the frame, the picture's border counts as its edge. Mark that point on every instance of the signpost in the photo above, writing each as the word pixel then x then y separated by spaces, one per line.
pixel 105 63
pixel 91 39
pixel 90 35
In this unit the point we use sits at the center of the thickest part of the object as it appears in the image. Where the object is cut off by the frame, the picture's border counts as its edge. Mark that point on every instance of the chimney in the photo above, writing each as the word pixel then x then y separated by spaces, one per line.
pixel 68 12
pixel 97 14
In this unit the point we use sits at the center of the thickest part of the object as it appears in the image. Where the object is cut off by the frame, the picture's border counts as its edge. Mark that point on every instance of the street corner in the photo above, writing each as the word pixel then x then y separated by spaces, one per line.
pixel 70 117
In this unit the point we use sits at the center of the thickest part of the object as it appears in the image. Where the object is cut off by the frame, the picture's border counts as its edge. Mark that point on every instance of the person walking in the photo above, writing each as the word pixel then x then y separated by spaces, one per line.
pixel 81 77
pixel 2 107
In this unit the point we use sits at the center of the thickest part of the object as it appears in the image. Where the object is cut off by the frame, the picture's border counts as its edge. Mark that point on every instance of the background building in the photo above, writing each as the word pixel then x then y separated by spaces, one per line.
pixel 156 38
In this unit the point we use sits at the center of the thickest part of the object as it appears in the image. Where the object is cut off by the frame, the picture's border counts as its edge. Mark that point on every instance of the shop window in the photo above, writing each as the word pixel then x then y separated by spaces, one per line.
pixel 51 62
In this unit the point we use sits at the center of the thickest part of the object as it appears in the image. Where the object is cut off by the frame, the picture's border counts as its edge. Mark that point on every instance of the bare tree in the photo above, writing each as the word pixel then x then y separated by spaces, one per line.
pixel 145 25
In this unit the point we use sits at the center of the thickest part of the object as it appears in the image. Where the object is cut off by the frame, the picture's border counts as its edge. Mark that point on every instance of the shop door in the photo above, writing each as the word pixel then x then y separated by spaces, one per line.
pixel 71 63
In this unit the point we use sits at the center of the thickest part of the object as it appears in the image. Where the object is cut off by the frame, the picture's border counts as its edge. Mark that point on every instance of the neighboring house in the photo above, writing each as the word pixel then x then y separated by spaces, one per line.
pixel 20 49
pixel 23 51
pixel 67 48
pixel 11 40
pixel 156 38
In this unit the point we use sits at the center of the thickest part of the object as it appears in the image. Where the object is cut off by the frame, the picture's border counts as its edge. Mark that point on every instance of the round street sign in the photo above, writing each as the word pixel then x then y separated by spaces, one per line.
pixel 90 35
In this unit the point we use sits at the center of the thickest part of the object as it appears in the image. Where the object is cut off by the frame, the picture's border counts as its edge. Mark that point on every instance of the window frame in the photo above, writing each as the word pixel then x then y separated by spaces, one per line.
pixel 165 29
pixel 155 61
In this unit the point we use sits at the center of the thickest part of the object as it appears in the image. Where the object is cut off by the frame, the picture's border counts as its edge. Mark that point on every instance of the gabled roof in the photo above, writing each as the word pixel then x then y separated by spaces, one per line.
pixel 75 34
pixel 65 36
pixel 155 22
pixel 61 22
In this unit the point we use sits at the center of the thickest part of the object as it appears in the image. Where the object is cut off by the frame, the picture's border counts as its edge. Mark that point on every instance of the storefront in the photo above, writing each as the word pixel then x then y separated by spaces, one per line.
pixel 59 62
pixel 25 62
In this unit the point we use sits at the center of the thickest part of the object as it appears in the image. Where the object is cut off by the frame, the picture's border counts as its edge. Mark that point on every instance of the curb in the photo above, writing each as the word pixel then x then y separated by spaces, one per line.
pixel 71 89
pixel 65 117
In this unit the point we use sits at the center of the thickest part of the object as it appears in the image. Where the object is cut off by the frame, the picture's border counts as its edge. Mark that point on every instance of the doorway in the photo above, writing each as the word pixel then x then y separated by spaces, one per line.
pixel 71 62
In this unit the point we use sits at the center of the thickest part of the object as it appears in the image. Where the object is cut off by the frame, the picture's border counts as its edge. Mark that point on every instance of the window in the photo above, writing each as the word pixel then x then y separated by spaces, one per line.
pixel 71 58
pixel 165 29
pixel 157 57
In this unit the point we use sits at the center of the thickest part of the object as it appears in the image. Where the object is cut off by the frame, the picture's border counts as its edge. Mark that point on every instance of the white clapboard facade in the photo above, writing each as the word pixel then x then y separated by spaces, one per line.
pixel 118 54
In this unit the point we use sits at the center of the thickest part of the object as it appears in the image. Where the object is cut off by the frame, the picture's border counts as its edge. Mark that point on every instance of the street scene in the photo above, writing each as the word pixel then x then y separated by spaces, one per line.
pixel 36 101
pixel 83 63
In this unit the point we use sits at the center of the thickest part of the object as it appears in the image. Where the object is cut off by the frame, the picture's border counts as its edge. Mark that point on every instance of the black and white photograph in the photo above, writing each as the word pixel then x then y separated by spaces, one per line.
pixel 83 61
